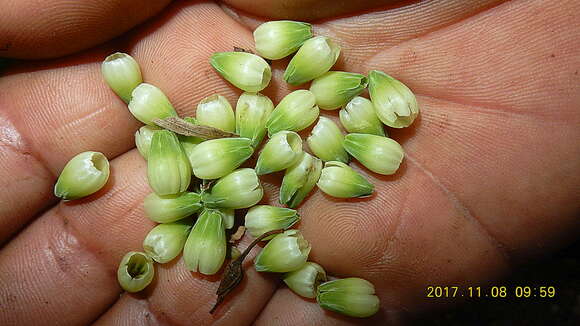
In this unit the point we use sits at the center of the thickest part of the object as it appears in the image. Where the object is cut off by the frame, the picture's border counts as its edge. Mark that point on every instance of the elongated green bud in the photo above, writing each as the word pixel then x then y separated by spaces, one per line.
pixel 135 271
pixel 205 248
pixel 277 39
pixel 394 102
pixel 358 116
pixel 216 158
pixel 168 169
pixel 264 218
pixel 252 113
pixel 215 111
pixel 280 152
pixel 83 175
pixel 315 57
pixel 299 180
pixel 122 74
pixel 244 70
pixel 379 154
pixel 166 241
pixel 229 216
pixel 295 112
pixel 239 189
pixel 143 138
pixel 335 88
pixel 340 180
pixel 326 140
pixel 286 252
pixel 170 208
pixel 306 280
pixel 149 103
pixel 353 297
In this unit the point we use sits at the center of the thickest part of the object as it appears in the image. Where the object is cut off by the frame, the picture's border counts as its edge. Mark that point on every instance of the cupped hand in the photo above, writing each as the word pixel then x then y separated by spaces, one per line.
pixel 490 176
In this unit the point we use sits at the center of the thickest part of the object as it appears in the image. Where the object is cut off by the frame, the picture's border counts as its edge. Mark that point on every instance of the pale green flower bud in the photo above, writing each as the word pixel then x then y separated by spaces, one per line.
pixel 165 241
pixel 135 271
pixel 229 216
pixel 394 102
pixel 149 103
pixel 379 154
pixel 244 70
pixel 168 169
pixel 122 74
pixel 359 116
pixel 205 248
pixel 340 180
pixel 83 175
pixel 286 252
pixel 295 112
pixel 143 138
pixel 335 88
pixel 239 189
pixel 352 296
pixel 215 111
pixel 277 39
pixel 315 57
pixel 326 140
pixel 306 280
pixel 252 113
pixel 264 218
pixel 170 208
pixel 280 152
pixel 215 158
pixel 299 180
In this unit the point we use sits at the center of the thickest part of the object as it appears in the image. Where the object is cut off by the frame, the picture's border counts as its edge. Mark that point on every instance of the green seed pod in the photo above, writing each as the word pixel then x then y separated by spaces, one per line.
pixel 165 241
pixel 335 88
pixel 216 158
pixel 83 175
pixel 299 180
pixel 215 111
pixel 170 208
pixel 305 281
pixel 358 116
pixel 122 73
pixel 149 103
pixel 265 218
pixel 239 189
pixel 168 169
pixel 205 248
pixel 135 271
pixel 143 138
pixel 349 296
pixel 394 102
pixel 314 58
pixel 295 112
pixel 280 152
pixel 286 252
pixel 326 140
pixel 278 39
pixel 252 113
pixel 379 154
pixel 244 70
pixel 340 180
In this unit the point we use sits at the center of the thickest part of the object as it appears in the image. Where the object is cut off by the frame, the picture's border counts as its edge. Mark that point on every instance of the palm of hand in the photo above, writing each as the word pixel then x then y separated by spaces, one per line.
pixel 487 181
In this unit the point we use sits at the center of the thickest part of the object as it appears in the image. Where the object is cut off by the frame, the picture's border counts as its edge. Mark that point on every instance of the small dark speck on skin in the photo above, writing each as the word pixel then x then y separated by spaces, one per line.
pixel 576 72
pixel 553 55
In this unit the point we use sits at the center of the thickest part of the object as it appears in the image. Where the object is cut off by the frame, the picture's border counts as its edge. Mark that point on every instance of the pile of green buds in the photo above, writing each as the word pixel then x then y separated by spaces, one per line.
pixel 193 163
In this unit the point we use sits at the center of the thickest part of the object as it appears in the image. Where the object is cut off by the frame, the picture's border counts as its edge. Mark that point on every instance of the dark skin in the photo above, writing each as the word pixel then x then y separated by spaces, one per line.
pixel 490 178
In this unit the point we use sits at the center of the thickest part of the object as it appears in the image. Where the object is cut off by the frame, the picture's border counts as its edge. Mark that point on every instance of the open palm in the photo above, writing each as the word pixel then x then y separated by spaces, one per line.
pixel 490 176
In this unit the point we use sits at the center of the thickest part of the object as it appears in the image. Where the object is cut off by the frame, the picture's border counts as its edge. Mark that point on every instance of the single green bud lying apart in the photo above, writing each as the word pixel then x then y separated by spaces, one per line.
pixel 286 252
pixel 83 175
pixel 122 74
pixel 295 112
pixel 170 208
pixel 395 103
pixel 165 241
pixel 143 138
pixel 215 111
pixel 281 151
pixel 315 57
pixel 335 88
pixel 229 216
pixel 252 114
pixel 244 70
pixel 306 280
pixel 340 180
pixel 379 154
pixel 205 248
pixel 278 39
pixel 135 271
pixel 353 297
pixel 239 189
pixel 168 169
pixel 264 218
pixel 326 140
pixel 149 103
pixel 359 116
pixel 216 158
pixel 299 180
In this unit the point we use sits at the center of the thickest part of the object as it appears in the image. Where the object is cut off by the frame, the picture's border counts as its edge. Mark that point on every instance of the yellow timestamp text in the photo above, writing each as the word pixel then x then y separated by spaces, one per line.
pixel 433 291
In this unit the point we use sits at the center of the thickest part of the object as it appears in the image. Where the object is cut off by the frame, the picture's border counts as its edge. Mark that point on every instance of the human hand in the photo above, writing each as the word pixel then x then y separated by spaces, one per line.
pixel 489 180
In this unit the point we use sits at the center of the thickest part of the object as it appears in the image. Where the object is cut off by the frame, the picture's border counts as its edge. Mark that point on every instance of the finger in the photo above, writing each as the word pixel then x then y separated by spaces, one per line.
pixel 32 30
